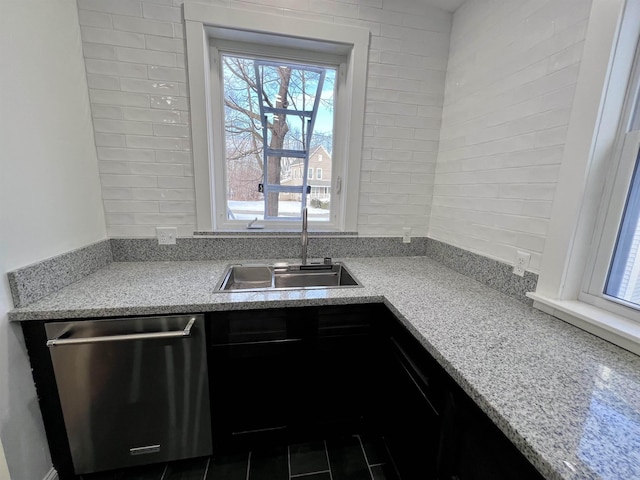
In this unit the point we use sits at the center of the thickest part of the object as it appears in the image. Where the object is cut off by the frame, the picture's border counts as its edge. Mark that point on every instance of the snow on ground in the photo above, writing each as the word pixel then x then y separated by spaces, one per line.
pixel 245 210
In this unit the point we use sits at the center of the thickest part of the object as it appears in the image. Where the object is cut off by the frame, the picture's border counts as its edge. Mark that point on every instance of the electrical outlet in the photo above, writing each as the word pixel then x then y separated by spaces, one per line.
pixel 406 235
pixel 522 262
pixel 166 235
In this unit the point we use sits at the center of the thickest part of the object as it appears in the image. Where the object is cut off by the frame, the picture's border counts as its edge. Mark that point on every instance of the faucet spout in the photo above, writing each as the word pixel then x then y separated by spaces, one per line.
pixel 304 238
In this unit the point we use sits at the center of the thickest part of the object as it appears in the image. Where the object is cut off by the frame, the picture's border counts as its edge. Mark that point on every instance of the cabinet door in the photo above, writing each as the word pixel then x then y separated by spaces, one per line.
pixel 289 374
pixel 343 373
pixel 475 449
pixel 413 425
pixel 251 362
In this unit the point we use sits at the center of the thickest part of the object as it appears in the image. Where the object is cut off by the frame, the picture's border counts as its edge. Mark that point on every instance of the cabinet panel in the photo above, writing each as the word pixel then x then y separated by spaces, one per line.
pixel 290 374
pixel 413 427
pixel 298 374
pixel 475 449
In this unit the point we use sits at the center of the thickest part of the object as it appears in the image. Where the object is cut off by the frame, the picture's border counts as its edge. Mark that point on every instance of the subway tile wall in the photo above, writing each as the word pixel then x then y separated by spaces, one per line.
pixel 135 61
pixel 511 77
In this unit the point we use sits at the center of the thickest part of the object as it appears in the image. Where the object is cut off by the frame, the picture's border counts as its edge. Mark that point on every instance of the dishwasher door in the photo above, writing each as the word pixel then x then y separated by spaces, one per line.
pixel 133 391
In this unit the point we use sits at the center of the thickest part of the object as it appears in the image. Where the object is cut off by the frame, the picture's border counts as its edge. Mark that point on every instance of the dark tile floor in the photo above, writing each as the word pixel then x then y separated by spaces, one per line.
pixel 357 457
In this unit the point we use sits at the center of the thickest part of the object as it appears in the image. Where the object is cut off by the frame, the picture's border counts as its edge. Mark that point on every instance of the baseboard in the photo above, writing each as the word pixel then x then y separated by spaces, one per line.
pixel 51 475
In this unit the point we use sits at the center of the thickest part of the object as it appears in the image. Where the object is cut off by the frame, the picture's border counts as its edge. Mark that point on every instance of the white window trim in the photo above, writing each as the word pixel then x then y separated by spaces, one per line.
pixel 201 23
pixel 591 138
pixel 318 173
pixel 615 197
pixel 220 47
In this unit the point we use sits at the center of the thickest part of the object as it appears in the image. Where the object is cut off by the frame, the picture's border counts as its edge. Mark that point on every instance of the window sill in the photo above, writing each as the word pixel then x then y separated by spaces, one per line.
pixel 614 328
pixel 262 232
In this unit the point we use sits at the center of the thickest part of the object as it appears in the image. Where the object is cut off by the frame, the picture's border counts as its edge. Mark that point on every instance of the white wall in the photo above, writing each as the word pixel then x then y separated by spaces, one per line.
pixel 49 189
pixel 134 55
pixel 511 77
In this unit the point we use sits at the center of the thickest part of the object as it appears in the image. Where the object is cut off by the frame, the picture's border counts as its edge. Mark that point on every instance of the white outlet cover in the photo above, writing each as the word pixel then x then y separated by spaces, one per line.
pixel 406 235
pixel 166 235
pixel 521 263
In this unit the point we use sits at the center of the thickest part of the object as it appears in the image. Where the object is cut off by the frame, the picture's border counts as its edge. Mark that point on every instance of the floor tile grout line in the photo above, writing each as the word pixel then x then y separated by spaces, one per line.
pixel 292 476
pixel 297 475
pixel 391 461
pixel 365 455
pixel 206 469
pixel 326 452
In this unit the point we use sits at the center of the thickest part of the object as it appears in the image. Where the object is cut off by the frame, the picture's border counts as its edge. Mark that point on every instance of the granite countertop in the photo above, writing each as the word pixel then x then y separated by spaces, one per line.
pixel 568 400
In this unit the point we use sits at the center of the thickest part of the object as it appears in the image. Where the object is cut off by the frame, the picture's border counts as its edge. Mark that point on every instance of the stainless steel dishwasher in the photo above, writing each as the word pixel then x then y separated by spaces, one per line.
pixel 133 391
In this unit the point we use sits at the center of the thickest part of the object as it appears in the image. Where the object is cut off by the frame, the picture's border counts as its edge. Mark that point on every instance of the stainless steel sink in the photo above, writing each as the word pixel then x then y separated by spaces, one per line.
pixel 285 276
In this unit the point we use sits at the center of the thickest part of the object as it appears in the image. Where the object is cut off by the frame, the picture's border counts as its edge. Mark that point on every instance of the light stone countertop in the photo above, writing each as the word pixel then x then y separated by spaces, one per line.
pixel 568 400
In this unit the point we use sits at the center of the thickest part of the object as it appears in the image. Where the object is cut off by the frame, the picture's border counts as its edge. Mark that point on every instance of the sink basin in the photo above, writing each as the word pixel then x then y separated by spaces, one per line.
pixel 248 276
pixel 285 276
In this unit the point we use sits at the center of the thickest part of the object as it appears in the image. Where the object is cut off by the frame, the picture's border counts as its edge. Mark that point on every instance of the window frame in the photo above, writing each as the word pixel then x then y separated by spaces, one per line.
pixel 621 169
pixel 592 144
pixel 318 173
pixel 611 218
pixel 220 47
pixel 206 22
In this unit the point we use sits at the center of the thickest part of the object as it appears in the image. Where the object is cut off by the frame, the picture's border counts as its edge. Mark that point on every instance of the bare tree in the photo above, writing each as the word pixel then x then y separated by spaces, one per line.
pixel 282 88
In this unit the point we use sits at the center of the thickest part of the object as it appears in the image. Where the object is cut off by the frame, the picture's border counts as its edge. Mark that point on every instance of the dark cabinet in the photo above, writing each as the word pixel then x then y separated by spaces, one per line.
pixel 435 431
pixel 475 449
pixel 413 425
pixel 288 375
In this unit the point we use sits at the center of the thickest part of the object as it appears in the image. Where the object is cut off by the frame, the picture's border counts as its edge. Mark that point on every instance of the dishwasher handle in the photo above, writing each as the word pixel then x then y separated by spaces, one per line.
pixel 186 332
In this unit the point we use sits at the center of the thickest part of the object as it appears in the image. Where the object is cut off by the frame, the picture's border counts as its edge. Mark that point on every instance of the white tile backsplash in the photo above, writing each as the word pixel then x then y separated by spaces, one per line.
pixel 104 97
pixel 94 19
pixel 108 153
pixel 120 126
pixel 158 144
pixel 109 140
pixel 134 55
pixel 146 57
pixel 121 69
pixel 122 7
pixel 511 76
pixel 143 25
pixel 108 36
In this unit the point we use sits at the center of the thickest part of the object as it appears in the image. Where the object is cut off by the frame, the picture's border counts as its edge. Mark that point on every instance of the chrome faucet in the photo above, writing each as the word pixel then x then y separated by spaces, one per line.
pixel 304 237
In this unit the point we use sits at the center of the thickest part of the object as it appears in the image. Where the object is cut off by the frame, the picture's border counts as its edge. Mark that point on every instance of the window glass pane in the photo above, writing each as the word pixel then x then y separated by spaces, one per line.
pixel 623 281
pixel 285 171
pixel 285 86
pixel 635 119
pixel 293 134
pixel 290 206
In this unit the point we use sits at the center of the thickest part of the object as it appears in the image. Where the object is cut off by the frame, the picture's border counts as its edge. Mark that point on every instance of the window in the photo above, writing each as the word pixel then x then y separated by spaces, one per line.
pixel 623 281
pixel 218 36
pixel 586 276
pixel 319 173
pixel 310 174
pixel 276 113
pixel 615 273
